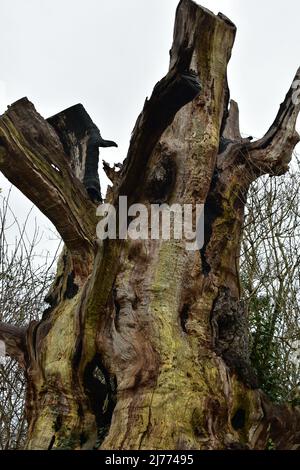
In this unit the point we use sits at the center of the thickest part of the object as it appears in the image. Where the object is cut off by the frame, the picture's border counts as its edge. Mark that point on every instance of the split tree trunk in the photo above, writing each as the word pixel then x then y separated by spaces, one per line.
pixel 144 344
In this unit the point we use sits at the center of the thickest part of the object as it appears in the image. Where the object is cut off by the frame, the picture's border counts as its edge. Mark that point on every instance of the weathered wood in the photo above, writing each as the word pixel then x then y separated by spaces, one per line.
pixel 33 159
pixel 81 140
pixel 163 329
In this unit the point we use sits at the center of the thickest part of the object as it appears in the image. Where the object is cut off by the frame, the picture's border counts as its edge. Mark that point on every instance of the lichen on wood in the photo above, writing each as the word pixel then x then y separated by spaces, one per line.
pixel 144 344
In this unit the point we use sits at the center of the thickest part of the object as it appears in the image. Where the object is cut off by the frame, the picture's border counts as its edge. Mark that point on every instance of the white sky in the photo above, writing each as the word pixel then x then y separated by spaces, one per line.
pixel 108 55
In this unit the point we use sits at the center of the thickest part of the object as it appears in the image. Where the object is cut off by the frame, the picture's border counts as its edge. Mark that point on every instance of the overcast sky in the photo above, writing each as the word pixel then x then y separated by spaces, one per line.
pixel 108 55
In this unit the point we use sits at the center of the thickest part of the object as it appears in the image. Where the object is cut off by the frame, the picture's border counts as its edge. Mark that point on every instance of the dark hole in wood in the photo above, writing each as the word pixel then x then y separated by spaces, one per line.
pixel 161 181
pixel 238 421
pixel 80 411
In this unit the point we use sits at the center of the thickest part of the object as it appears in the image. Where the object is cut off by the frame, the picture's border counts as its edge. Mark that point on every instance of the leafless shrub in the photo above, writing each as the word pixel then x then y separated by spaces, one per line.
pixel 24 280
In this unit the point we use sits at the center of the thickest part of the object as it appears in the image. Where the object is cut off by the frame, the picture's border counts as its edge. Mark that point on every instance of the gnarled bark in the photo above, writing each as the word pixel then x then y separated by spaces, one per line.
pixel 14 339
pixel 145 345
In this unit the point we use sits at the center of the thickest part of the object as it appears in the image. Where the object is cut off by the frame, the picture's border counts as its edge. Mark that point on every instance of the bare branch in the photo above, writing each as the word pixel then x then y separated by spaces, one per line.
pixel 178 88
pixel 33 159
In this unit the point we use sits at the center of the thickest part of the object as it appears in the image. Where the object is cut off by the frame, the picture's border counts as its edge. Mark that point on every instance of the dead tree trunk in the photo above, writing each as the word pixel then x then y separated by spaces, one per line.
pixel 144 344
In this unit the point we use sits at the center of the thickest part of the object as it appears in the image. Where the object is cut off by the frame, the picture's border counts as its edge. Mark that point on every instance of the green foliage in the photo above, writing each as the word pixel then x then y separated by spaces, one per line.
pixel 270 277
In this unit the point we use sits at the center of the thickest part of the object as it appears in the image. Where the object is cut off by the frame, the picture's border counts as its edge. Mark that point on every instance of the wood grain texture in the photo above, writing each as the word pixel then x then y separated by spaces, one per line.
pixel 146 345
